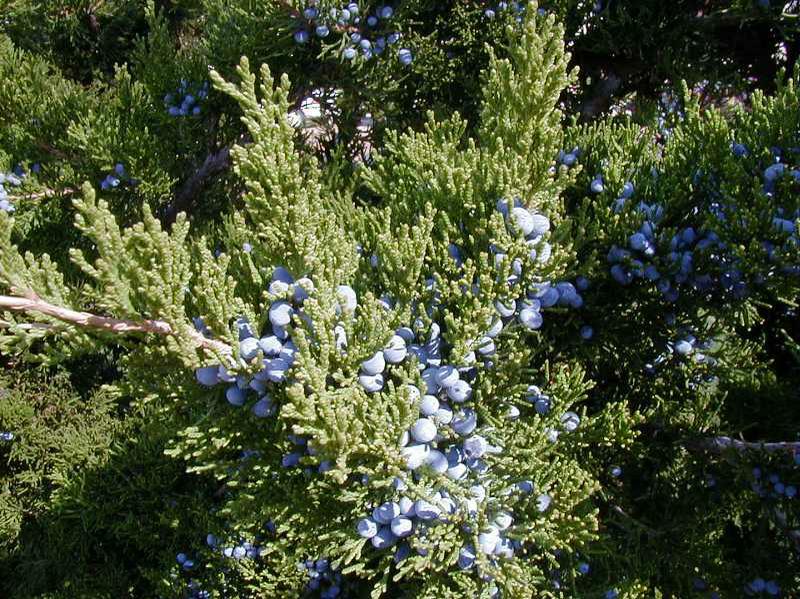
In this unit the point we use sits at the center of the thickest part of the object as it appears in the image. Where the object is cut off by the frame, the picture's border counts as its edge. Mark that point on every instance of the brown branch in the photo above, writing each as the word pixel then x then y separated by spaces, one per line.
pixel 214 164
pixel 604 91
pixel 722 443
pixel 104 323
pixel 53 151
pixel 40 195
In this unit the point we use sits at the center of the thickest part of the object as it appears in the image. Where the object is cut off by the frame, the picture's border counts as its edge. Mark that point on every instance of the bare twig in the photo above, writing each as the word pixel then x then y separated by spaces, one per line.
pixel 40 195
pixel 214 164
pixel 722 443
pixel 104 323
pixel 601 100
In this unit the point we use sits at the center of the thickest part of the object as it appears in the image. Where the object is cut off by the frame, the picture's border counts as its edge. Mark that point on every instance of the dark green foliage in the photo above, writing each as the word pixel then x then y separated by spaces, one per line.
pixel 86 493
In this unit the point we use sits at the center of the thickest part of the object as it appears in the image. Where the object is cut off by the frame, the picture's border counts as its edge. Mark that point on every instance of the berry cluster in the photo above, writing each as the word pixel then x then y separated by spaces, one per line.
pixel 454 445
pixel 184 561
pixel 193 588
pixel 303 447
pixel 186 101
pixel 447 442
pixel 527 308
pixel 568 159
pixel 322 577
pixel 758 586
pixel 116 178
pixel 442 441
pixel 9 179
pixel 367 37
pixel 6 436
pixel 240 551
pixel 679 265
pixel 774 173
pixel 771 485
pixel 275 347
pixel 686 346
pixel 517 9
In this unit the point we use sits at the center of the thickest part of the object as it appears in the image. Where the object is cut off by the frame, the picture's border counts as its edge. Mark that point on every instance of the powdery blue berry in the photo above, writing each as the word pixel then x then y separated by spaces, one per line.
pixel 383 538
pixel 447 376
pixel 457 471
pixel 460 391
pixel 465 422
pixel 444 415
pixel 384 513
pixel 235 395
pixel 774 172
pixel 423 430
pixel 271 346
pixel 207 375
pixel 415 455
pixel 475 446
pixel 371 383
pixel 396 350
pixel 248 348
pixel 530 318
pixel 347 298
pixel 429 405
pixel 466 557
pixel 426 510
pixel 405 56
pixel 402 526
pixel 374 365
pixel 570 421
pixel 262 408
pixel 487 540
pixel 437 461
pixel 275 369
pixel 406 507
pixel 543 502
pixel 772 588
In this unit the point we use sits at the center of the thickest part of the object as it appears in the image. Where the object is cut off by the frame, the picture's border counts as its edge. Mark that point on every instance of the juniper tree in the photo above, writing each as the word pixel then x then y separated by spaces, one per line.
pixel 487 361
pixel 148 278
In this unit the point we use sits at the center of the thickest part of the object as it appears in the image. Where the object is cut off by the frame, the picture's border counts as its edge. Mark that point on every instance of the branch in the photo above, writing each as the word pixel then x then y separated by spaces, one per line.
pixel 53 151
pixel 47 193
pixel 721 443
pixel 104 323
pixel 214 164
pixel 604 91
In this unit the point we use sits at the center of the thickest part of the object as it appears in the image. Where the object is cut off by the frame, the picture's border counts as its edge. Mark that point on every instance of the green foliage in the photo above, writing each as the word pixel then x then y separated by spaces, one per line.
pixel 80 485
pixel 101 487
